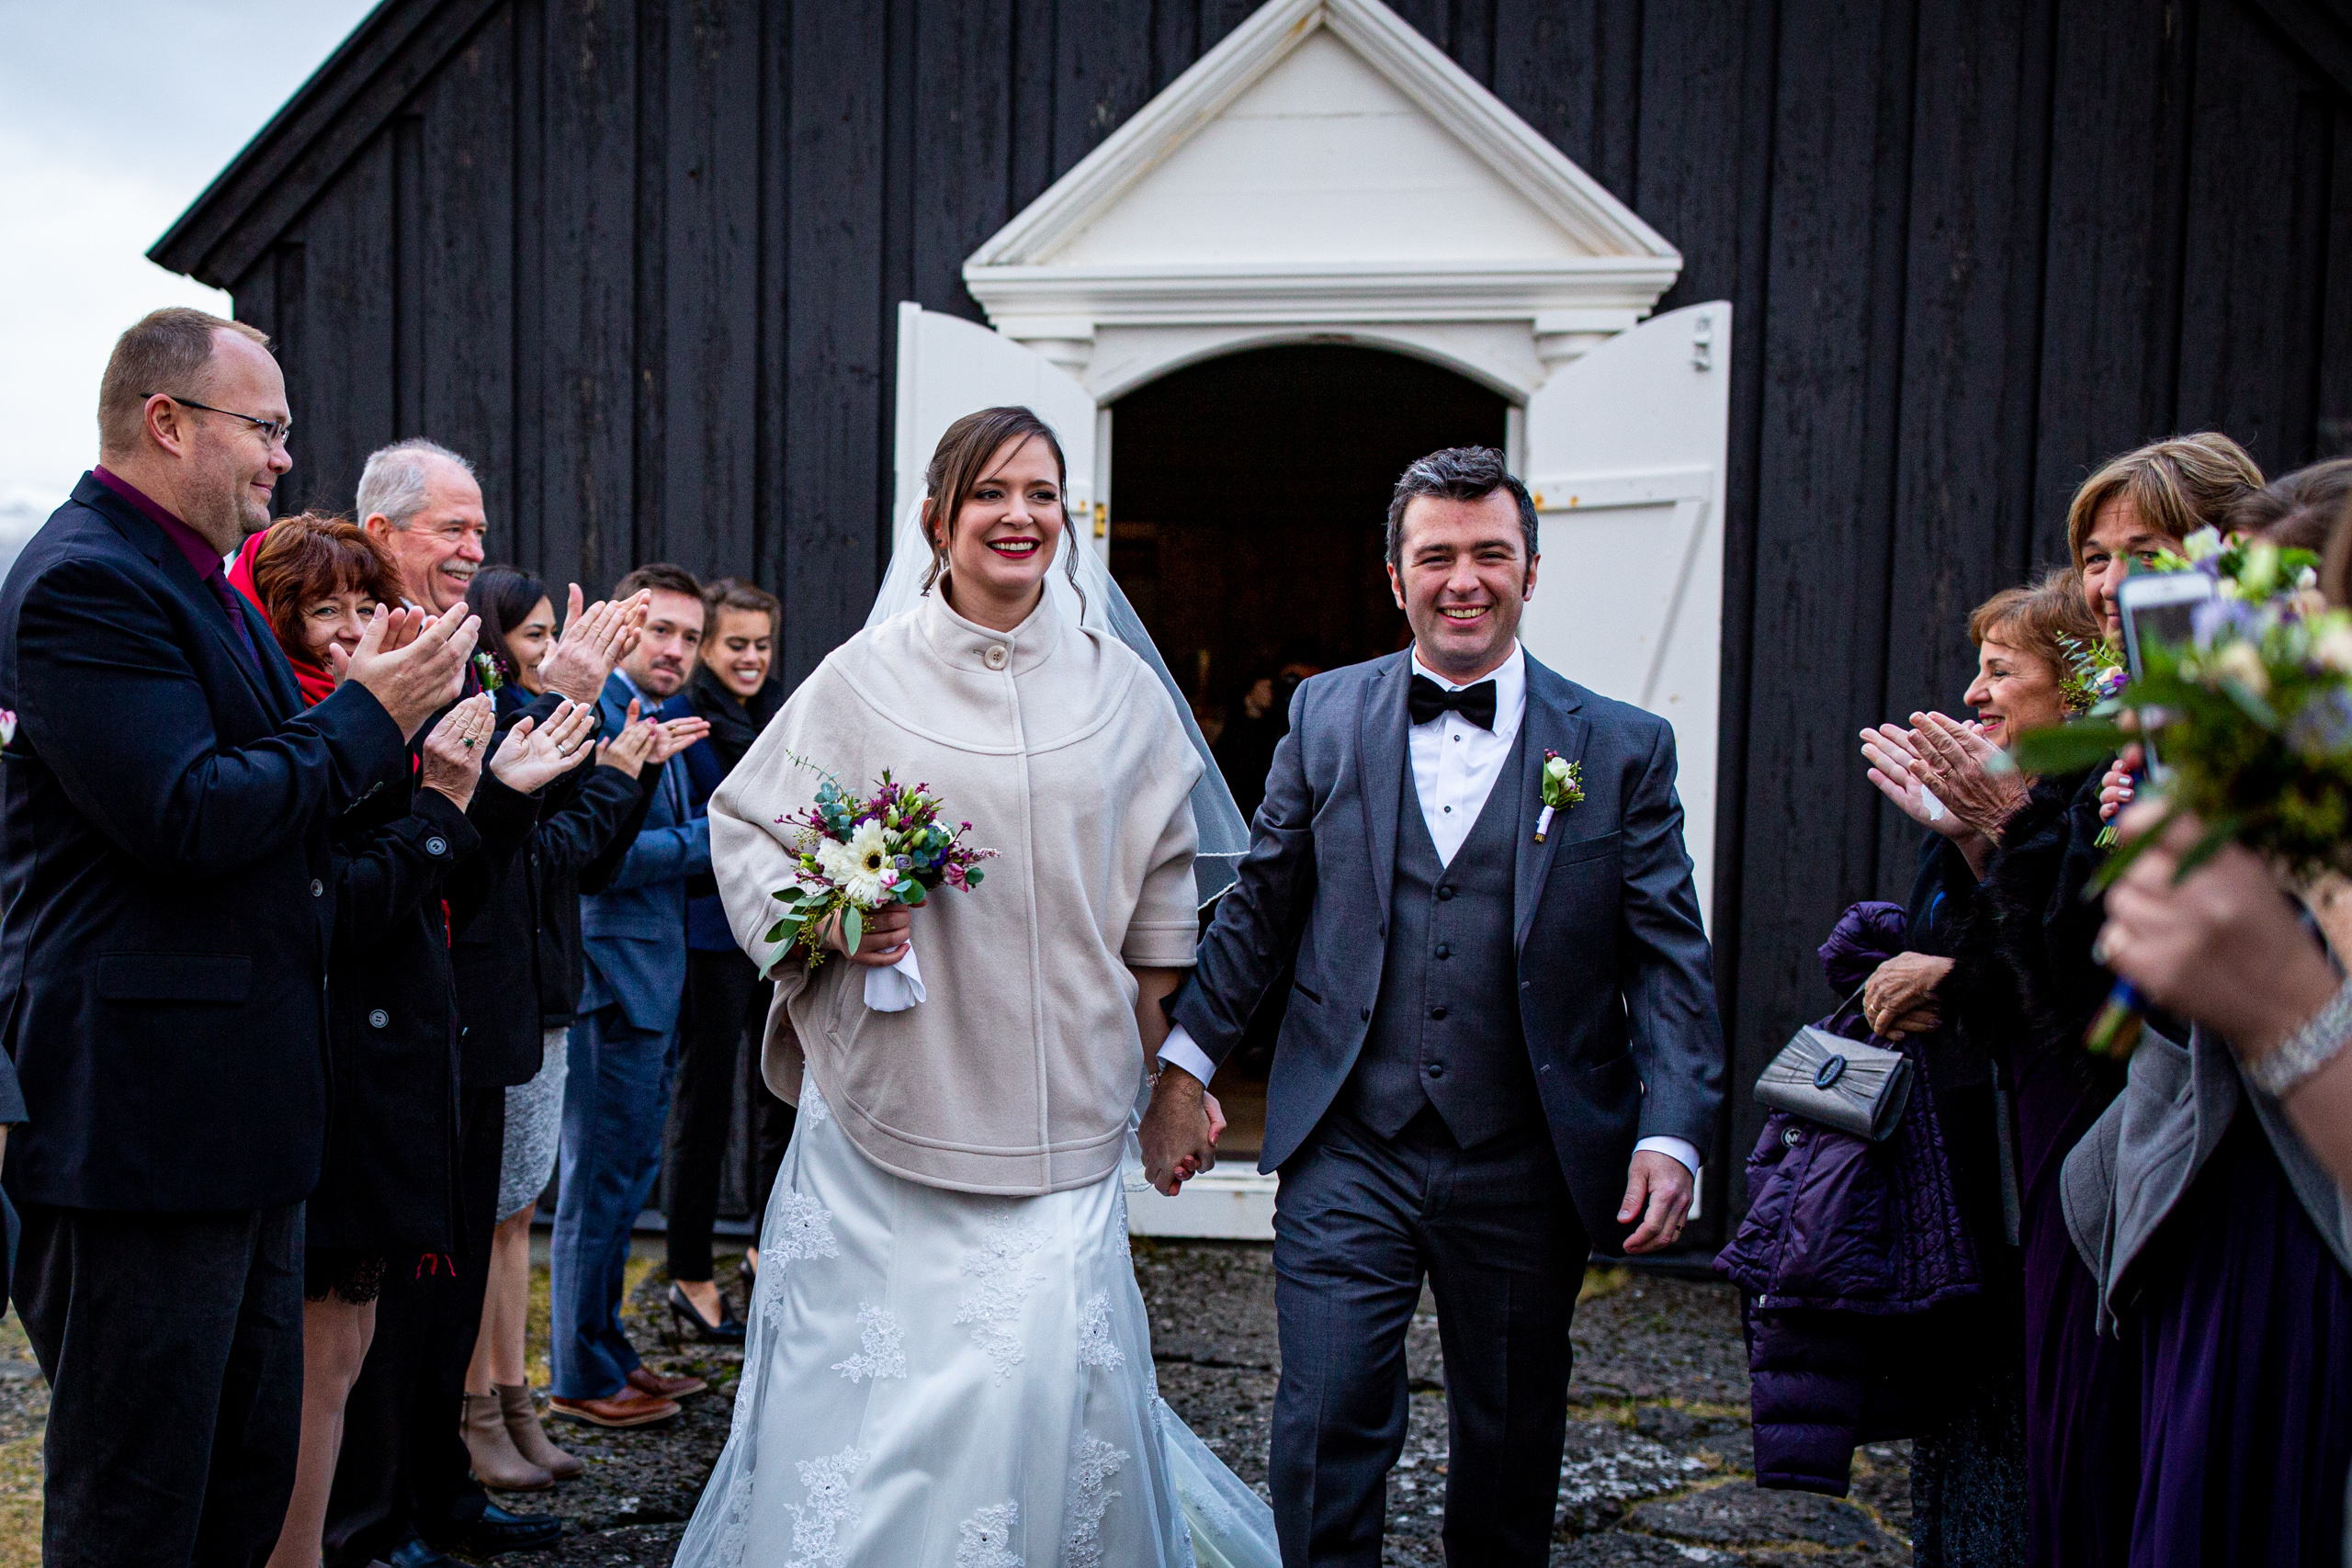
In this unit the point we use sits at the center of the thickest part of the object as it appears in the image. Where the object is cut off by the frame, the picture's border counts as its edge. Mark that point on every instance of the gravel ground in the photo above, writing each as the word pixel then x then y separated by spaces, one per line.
pixel 1657 1470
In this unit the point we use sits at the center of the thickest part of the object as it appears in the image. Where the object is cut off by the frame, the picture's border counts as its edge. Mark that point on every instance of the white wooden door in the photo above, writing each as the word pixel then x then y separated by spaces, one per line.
pixel 949 367
pixel 1625 459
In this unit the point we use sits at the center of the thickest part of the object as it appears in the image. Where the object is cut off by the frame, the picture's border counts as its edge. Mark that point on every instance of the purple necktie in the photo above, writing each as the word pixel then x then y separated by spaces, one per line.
pixel 234 607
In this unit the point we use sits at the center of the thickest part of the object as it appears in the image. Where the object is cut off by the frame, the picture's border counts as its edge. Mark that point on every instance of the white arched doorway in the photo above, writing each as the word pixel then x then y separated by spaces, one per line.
pixel 1326 176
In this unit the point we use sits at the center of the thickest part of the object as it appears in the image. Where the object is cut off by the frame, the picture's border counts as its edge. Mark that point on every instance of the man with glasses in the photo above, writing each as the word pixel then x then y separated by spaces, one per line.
pixel 165 919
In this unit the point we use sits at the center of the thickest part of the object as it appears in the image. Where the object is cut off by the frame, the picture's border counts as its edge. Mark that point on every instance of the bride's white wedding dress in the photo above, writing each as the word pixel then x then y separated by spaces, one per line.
pixel 937 1378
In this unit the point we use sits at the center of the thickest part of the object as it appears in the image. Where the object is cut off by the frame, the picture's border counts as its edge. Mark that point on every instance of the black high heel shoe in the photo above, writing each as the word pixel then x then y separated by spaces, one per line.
pixel 727 1330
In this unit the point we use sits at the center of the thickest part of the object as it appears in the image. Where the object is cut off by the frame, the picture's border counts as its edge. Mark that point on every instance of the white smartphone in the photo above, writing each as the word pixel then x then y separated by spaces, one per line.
pixel 2160 608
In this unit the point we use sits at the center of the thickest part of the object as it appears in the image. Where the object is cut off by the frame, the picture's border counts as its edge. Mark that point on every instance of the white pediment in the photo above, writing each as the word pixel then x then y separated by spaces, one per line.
pixel 1323 165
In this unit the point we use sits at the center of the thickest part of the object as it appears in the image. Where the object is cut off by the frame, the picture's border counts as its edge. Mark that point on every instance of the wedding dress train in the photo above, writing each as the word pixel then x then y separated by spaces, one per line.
pixel 936 1379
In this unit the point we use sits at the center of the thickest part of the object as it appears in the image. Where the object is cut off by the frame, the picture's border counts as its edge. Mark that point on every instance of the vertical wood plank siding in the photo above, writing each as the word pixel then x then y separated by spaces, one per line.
pixel 640 259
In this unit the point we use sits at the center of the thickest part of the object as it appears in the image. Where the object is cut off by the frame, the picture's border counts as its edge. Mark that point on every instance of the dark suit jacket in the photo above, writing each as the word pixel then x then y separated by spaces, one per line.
pixel 166 881
pixel 1615 993
pixel 391 1181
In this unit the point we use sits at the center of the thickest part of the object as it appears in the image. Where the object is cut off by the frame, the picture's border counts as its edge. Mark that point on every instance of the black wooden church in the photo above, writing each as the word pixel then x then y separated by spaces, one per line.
pixel 1806 315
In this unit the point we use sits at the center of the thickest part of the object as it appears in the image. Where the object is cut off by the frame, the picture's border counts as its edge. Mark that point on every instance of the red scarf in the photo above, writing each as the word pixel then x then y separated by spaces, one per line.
pixel 316 683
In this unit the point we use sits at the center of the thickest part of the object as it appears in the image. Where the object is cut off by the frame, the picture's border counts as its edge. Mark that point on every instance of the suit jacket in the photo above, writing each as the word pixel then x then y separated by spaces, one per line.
pixel 166 879
pixel 634 932
pixel 1615 993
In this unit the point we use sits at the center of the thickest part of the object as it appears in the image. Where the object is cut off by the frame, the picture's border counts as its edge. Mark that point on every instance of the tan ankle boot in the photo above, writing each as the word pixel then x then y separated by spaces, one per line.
pixel 529 1437
pixel 497 1463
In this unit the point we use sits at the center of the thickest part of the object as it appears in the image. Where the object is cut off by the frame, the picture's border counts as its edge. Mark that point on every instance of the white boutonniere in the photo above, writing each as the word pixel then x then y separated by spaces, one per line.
pixel 1563 789
pixel 8 726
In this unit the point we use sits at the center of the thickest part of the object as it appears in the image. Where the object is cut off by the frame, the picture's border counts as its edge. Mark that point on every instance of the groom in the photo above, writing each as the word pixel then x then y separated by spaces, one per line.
pixel 1499 1054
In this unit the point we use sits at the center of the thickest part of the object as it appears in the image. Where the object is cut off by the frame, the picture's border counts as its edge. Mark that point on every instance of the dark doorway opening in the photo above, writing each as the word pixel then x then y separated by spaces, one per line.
pixel 1250 494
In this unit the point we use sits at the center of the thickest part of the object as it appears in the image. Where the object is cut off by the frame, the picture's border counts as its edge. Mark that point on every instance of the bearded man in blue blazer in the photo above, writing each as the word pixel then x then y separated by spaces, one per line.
pixel 1501 1049
pixel 624 1041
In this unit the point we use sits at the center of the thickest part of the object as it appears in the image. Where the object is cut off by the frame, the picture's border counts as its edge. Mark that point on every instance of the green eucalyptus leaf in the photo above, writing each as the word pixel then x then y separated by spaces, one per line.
pixel 852 927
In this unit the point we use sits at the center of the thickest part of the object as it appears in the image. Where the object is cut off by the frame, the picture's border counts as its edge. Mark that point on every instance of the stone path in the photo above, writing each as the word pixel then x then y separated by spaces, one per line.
pixel 1657 1470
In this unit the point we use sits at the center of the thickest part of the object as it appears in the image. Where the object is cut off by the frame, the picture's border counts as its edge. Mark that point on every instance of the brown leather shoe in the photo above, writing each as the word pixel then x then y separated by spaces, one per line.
pixel 629 1407
pixel 646 1380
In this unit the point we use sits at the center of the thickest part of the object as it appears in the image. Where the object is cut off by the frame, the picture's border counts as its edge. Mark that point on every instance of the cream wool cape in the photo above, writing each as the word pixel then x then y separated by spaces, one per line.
pixel 1063 750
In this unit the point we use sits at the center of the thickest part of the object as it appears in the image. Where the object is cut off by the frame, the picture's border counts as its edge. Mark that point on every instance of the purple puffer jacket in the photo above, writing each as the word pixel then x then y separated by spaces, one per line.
pixel 1845 1242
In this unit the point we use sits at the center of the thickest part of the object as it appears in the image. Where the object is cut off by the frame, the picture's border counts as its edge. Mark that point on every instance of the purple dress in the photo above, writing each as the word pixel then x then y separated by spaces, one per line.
pixel 2244 1331
pixel 2027 989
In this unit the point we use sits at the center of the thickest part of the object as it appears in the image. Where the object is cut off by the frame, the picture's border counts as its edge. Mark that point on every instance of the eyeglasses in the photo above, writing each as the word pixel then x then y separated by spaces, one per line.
pixel 274 431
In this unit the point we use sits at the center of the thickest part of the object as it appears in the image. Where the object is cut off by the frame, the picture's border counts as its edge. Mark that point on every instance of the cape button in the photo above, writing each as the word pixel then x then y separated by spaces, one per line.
pixel 318 888
pixel 1791 1137
pixel 379 1019
pixel 996 656
pixel 437 845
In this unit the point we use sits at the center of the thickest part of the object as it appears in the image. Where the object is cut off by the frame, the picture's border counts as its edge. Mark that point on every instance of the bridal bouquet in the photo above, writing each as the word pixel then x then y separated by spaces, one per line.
pixel 854 856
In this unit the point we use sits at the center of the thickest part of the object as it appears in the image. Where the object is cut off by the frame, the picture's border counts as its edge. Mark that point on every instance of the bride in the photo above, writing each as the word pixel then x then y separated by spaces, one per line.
pixel 949 1359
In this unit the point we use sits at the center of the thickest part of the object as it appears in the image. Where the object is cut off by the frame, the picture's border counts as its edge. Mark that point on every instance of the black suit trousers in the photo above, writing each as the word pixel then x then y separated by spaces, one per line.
pixel 726 1003
pixel 1360 1223
pixel 173 1346
pixel 404 1472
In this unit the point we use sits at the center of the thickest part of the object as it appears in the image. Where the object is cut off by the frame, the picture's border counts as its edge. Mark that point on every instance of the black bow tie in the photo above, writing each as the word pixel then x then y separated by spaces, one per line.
pixel 1428 700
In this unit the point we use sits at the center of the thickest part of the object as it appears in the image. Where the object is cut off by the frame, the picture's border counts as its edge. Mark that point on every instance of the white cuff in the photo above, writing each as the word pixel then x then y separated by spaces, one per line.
pixel 1178 1051
pixel 1681 1149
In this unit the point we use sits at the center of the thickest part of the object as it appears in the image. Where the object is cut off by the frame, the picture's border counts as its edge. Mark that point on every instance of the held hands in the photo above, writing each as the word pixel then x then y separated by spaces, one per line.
pixel 593 643
pixel 411 662
pixel 1900 997
pixel 529 759
pixel 890 930
pixel 1179 1131
pixel 1657 1189
pixel 453 752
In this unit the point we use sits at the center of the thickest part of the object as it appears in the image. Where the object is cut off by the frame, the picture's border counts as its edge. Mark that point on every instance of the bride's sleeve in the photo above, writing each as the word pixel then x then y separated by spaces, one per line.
pixel 748 849
pixel 1165 926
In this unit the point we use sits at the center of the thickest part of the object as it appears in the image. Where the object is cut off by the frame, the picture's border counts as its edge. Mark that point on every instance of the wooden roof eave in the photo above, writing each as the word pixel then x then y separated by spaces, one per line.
pixel 390 54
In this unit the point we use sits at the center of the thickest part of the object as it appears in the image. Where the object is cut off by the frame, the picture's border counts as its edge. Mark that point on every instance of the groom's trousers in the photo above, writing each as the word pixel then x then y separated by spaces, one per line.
pixel 1360 1222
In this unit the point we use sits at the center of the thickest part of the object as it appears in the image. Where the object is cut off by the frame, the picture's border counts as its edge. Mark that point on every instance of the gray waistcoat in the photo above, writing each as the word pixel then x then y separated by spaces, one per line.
pixel 1445 1030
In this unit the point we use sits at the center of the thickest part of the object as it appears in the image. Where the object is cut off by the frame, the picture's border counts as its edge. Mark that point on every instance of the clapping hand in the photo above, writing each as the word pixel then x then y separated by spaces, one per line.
pixel 627 750
pixel 1971 775
pixel 453 752
pixel 411 662
pixel 1893 756
pixel 593 643
pixel 533 756
pixel 671 736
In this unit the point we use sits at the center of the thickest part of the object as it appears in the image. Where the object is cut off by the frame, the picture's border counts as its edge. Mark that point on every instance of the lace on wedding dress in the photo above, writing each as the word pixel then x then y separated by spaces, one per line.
pixel 1002 1281
pixel 881 1346
pixel 1092 1464
pixel 988 1538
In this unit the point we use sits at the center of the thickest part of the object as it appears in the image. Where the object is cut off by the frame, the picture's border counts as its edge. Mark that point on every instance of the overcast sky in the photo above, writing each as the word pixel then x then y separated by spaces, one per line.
pixel 114 116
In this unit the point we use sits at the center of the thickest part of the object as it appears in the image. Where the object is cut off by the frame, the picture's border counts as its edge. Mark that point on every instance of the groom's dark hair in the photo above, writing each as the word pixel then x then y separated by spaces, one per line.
pixel 1457 473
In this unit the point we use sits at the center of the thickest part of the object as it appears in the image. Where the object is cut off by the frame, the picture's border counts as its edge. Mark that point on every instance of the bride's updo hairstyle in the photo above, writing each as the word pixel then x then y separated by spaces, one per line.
pixel 962 460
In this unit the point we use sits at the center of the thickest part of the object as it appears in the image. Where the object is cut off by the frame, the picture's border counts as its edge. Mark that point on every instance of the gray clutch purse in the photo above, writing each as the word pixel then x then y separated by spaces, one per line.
pixel 1839 1083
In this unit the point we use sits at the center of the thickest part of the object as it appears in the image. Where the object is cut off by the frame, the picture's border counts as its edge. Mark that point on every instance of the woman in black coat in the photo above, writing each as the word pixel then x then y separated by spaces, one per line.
pixel 406 862
pixel 518 972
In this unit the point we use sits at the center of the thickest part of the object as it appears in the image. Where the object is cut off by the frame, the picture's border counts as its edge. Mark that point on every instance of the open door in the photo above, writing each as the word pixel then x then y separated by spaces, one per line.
pixel 1625 459
pixel 949 367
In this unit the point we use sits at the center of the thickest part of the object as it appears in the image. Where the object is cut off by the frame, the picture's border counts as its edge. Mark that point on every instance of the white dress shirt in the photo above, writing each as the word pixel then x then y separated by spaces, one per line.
pixel 1454 766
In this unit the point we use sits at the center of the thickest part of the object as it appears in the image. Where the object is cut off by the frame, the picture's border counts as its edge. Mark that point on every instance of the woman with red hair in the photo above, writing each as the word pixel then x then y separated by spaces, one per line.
pixel 409 864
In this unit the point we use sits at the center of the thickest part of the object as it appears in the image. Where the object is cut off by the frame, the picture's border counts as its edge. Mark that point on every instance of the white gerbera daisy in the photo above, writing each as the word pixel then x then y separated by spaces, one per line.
pixel 862 864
